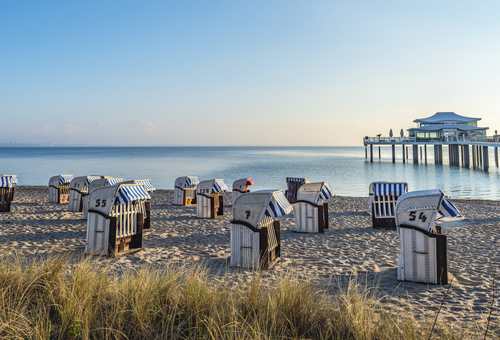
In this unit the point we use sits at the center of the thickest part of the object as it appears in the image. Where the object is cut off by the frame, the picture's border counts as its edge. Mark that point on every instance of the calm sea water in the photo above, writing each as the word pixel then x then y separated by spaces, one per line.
pixel 344 167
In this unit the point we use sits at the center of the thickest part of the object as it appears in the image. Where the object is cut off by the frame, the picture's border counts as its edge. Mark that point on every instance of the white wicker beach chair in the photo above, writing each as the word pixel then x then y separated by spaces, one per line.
pixel 255 234
pixel 423 248
pixel 7 188
pixel 382 202
pixel 293 185
pixel 148 186
pixel 95 183
pixel 311 213
pixel 116 219
pixel 209 202
pixel 240 186
pixel 59 188
pixel 78 189
pixel 185 190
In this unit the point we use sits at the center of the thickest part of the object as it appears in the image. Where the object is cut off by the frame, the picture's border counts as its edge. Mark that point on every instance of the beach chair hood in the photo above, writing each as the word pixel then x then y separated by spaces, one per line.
pixel 252 207
pixel 60 180
pixel 8 181
pixel 186 181
pixel 388 189
pixel 297 179
pixel 90 179
pixel 241 183
pixel 420 208
pixel 314 192
pixel 102 199
pixel 78 183
pixel 146 182
pixel 213 186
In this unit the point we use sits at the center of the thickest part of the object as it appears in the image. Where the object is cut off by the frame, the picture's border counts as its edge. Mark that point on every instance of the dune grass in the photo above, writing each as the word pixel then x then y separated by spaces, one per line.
pixel 73 298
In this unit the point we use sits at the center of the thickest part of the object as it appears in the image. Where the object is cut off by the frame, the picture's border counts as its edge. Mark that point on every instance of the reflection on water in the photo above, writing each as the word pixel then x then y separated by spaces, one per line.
pixel 344 167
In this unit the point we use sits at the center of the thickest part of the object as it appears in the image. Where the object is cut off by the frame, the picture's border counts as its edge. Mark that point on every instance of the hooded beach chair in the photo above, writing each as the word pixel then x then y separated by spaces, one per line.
pixel 382 203
pixel 423 249
pixel 78 190
pixel 240 186
pixel 7 188
pixel 94 183
pixel 293 184
pixel 149 189
pixel 185 190
pixel 59 188
pixel 209 202
pixel 116 219
pixel 255 234
pixel 311 213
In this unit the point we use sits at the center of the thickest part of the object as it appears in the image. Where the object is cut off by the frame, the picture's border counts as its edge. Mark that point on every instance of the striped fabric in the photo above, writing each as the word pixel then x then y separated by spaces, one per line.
pixel 130 193
pixel 326 192
pixel 113 181
pixel 90 179
pixel 219 186
pixel 293 179
pixel 191 181
pixel 389 189
pixel 278 206
pixel 147 184
pixel 14 179
pixel 6 181
pixel 447 209
pixel 64 179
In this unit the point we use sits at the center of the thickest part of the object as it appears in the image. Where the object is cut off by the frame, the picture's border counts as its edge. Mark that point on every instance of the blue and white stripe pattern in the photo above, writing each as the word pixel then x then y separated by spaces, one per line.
pixel 130 193
pixel 64 179
pixel 14 179
pixel 147 184
pixel 389 189
pixel 6 181
pixel 447 209
pixel 278 206
pixel 191 181
pixel 294 179
pixel 326 192
pixel 90 179
pixel 219 186
pixel 113 181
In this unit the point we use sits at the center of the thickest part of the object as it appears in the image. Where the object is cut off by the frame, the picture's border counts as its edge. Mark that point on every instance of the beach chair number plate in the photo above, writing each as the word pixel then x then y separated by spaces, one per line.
pixel 413 216
pixel 247 213
pixel 76 185
pixel 205 191
pixel 99 203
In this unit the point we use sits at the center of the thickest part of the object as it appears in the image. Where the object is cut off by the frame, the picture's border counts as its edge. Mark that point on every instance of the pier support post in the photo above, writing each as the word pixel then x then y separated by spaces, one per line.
pixel 366 152
pixel 371 152
pixel 474 157
pixel 486 161
pixel 480 153
pixel 440 149
pixel 425 148
pixel 456 154
pixel 379 152
pixel 415 154
pixel 466 156
pixel 393 153
pixel 438 154
pixel 496 156
pixel 450 154
pixel 404 154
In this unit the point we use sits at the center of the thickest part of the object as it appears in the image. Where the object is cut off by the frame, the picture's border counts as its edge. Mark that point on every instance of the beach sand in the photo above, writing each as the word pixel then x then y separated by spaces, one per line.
pixel 350 249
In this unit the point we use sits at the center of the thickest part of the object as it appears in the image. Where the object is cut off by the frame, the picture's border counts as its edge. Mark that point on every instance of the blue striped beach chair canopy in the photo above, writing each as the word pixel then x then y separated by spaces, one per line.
pixel 213 186
pixel 8 181
pixel 131 192
pixel 60 180
pixel 92 178
pixel 297 179
pixel 394 189
pixel 252 207
pixel 113 181
pixel 187 182
pixel 146 182
pixel 314 192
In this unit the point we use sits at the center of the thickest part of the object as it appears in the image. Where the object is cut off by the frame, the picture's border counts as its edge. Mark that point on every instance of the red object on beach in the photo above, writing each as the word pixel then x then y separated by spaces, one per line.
pixel 249 182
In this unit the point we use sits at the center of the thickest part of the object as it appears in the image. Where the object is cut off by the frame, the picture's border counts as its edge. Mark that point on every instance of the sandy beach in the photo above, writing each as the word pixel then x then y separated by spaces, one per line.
pixel 350 248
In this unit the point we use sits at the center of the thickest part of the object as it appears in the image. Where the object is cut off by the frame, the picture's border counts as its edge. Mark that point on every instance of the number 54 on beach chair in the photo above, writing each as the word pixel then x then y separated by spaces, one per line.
pixel 382 200
pixel 311 214
pixel 423 255
pixel 255 234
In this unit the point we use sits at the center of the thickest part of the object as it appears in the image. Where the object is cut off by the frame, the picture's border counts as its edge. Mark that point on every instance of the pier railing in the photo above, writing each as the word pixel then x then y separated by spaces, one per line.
pixel 400 140
pixel 390 140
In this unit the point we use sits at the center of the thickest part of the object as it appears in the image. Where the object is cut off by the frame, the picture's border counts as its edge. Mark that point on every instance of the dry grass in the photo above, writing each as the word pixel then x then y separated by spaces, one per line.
pixel 68 298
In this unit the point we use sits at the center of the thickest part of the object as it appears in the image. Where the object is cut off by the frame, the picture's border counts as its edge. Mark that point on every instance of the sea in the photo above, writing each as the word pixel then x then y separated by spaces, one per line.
pixel 345 168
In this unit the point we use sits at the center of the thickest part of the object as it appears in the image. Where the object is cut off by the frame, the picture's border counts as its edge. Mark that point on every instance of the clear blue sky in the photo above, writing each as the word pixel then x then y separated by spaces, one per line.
pixel 242 72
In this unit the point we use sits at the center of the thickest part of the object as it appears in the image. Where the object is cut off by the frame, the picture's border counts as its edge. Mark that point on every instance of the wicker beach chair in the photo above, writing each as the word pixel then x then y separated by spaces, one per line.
pixel 95 183
pixel 423 255
pixel 209 202
pixel 255 234
pixel 185 190
pixel 78 191
pixel 116 219
pixel 293 185
pixel 59 188
pixel 148 186
pixel 7 188
pixel 311 213
pixel 240 186
pixel 382 203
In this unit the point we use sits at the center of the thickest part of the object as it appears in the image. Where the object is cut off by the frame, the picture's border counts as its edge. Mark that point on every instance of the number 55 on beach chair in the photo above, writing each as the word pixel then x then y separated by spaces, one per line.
pixel 209 204
pixel 382 200
pixel 94 183
pixel 116 219
pixel 311 214
pixel 7 183
pixel 423 249
pixel 59 188
pixel 255 234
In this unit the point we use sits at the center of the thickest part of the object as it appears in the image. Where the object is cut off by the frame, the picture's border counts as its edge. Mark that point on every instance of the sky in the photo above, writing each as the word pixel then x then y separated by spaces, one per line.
pixel 281 72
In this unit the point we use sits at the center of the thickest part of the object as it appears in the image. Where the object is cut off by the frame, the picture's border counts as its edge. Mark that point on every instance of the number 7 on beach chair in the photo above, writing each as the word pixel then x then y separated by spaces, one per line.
pixel 311 214
pixel 255 234
pixel 423 255
pixel 382 203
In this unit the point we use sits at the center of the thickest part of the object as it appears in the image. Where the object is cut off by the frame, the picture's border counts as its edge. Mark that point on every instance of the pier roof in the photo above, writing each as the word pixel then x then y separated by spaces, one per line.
pixel 440 127
pixel 446 117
